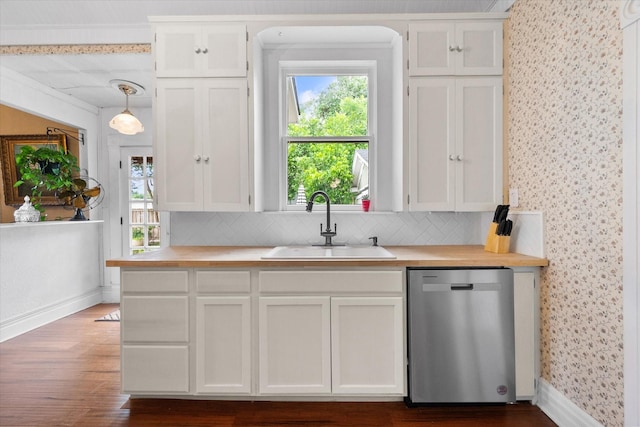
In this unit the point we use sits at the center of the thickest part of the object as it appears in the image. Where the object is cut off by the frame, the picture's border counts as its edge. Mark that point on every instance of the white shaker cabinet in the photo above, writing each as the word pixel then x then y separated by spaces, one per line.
pixel 332 332
pixel 460 48
pixel 200 50
pixel 455 143
pixel 202 145
pixel 367 345
pixel 295 346
pixel 223 332
pixel 155 331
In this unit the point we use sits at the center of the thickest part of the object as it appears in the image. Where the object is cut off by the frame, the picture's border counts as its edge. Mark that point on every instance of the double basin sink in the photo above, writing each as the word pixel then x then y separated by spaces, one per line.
pixel 329 252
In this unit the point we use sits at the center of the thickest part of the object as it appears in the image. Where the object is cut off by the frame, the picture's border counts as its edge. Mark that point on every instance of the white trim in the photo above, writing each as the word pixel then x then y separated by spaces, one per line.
pixel 560 409
pixel 40 317
pixel 629 12
pixel 630 16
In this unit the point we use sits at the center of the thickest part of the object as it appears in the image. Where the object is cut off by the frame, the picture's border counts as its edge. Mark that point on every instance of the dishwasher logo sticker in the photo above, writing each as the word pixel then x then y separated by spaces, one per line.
pixel 502 390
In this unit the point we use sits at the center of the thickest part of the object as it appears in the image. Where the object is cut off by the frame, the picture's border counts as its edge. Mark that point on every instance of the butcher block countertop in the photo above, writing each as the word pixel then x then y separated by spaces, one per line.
pixel 250 256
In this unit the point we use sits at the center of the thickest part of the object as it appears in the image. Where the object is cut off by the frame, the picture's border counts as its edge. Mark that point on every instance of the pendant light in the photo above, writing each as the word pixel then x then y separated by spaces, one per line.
pixel 125 122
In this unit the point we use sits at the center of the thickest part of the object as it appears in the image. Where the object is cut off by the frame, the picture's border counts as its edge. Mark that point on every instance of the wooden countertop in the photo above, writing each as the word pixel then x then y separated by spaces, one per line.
pixel 250 256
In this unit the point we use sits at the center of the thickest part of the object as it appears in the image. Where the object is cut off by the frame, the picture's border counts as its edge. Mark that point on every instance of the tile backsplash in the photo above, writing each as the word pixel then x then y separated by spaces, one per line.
pixel 301 228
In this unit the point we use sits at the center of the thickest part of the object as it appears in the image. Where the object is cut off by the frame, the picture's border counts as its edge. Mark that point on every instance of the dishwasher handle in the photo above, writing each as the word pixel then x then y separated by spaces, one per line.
pixel 462 286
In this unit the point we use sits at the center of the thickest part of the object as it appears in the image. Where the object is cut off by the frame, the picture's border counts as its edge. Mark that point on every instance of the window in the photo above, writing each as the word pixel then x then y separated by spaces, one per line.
pixel 326 131
pixel 144 221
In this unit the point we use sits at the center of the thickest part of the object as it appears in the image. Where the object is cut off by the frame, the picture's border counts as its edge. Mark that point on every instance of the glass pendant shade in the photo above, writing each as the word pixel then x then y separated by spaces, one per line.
pixel 126 123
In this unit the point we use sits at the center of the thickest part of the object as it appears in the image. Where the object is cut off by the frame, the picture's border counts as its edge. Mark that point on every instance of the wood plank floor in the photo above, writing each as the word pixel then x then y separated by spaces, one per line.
pixel 67 373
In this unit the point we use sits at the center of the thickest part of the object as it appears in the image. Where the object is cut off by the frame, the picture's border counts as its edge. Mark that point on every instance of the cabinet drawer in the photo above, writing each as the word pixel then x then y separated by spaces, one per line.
pixel 155 319
pixel 149 369
pixel 297 282
pixel 155 281
pixel 223 281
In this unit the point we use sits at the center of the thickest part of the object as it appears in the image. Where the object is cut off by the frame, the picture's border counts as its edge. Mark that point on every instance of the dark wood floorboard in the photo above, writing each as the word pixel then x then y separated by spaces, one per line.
pixel 67 373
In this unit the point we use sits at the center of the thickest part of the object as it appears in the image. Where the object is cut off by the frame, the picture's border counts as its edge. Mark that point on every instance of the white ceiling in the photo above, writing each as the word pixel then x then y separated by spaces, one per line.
pixel 87 76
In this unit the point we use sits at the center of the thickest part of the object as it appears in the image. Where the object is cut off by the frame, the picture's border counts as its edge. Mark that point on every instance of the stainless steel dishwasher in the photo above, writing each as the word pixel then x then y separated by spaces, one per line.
pixel 461 336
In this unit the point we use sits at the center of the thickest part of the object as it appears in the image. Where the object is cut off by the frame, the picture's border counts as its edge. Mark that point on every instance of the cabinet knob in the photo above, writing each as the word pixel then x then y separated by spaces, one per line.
pixel 205 50
pixel 451 157
pixel 198 50
pixel 452 48
pixel 197 157
pixel 459 158
pixel 206 159
pixel 458 49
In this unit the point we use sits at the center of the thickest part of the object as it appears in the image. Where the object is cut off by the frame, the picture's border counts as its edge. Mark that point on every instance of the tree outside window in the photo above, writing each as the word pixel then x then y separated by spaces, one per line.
pixel 322 140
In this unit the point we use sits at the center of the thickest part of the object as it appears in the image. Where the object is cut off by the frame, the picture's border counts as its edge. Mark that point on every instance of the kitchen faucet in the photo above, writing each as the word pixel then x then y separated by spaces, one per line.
pixel 328 233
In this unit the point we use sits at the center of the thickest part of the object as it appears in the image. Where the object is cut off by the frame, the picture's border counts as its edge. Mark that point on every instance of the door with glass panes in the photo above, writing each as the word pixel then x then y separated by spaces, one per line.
pixel 142 225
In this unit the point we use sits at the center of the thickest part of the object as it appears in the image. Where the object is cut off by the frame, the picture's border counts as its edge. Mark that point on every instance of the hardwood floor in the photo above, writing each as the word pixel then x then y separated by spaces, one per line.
pixel 67 373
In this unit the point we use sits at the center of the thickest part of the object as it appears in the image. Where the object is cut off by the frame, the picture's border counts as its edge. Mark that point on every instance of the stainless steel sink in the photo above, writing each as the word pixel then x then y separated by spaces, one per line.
pixel 329 252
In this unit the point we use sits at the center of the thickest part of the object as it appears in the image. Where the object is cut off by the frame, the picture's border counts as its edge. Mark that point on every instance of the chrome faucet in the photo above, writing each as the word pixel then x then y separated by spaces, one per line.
pixel 327 233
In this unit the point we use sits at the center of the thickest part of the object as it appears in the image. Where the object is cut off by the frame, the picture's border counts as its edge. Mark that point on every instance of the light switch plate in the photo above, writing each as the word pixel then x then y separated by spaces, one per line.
pixel 513 197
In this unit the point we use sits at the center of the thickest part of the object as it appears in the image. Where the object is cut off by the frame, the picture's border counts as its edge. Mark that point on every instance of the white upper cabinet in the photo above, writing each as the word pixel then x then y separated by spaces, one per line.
pixel 447 49
pixel 202 145
pixel 455 143
pixel 201 50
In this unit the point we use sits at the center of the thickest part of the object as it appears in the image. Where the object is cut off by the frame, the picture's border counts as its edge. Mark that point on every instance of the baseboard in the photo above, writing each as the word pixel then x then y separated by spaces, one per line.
pixel 561 410
pixel 13 327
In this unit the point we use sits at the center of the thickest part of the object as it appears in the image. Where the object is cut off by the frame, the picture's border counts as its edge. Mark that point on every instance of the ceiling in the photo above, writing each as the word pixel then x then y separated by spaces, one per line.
pixel 86 76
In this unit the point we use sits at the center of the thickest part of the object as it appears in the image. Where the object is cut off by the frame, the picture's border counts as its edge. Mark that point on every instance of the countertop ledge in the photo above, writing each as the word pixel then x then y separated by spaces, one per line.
pixel 250 256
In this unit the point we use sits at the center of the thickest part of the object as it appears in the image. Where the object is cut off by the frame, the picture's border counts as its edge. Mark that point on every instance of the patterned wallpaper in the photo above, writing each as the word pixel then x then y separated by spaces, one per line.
pixel 565 157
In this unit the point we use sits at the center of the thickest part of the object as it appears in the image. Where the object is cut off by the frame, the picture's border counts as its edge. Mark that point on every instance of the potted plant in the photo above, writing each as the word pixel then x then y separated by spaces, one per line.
pixel 45 169
pixel 365 203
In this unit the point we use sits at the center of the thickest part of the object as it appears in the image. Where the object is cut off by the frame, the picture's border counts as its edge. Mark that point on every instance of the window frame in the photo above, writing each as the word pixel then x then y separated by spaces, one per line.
pixel 328 68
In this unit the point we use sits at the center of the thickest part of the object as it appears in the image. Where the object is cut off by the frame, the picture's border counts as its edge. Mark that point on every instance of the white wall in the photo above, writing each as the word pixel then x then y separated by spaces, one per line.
pixel 49 270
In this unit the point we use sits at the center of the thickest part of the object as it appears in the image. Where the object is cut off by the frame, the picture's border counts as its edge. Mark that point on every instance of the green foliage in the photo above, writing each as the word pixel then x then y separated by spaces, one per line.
pixel 340 110
pixel 45 169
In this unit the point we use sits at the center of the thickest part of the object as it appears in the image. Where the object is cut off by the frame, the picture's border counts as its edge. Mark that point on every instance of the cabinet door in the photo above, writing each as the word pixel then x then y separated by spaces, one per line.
pixel 431 143
pixel 226 50
pixel 367 345
pixel 524 297
pixel 432 49
pixel 189 50
pixel 463 48
pixel 223 355
pixel 175 50
pixel 178 146
pixel 478 48
pixel 295 352
pixel 225 153
pixel 478 155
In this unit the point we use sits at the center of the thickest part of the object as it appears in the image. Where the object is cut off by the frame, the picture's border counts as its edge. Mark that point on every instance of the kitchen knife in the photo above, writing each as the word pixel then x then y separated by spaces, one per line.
pixel 502 215
pixel 508 228
pixel 502 225
pixel 497 213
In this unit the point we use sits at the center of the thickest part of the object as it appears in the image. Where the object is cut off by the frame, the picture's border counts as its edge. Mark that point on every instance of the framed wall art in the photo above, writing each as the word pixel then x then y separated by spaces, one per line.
pixel 10 146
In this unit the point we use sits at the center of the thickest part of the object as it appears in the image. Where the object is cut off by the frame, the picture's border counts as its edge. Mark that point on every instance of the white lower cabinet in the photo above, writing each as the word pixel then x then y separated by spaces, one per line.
pixel 295 345
pixel 223 332
pixel 338 332
pixel 367 344
pixel 154 331
pixel 330 337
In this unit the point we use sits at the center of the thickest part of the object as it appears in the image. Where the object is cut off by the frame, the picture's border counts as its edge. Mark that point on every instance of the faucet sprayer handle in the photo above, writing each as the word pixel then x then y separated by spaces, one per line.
pixel 375 240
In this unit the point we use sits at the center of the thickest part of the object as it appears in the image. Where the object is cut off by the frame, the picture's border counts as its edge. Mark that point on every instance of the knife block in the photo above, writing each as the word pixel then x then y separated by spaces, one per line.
pixel 496 244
